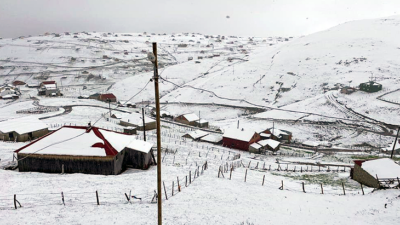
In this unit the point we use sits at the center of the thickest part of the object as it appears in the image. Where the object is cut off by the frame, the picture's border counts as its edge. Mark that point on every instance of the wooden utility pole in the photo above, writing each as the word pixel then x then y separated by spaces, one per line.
pixel 157 98
pixel 394 144
pixel 144 126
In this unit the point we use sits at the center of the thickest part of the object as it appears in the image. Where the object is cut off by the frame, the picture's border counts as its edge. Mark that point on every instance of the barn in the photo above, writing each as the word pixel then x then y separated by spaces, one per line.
pixel 239 139
pixel 22 129
pixel 136 120
pixel 79 149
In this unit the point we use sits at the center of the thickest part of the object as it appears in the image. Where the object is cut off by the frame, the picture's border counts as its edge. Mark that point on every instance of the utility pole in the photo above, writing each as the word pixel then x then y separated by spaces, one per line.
pixel 153 59
pixel 394 144
pixel 199 120
pixel 109 105
pixel 144 126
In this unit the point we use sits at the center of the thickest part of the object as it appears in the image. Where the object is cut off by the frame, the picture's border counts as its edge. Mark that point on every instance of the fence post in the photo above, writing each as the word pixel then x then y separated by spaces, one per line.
pixel 322 189
pixel 303 187
pixel 230 176
pixel 179 187
pixel 362 189
pixel 263 180
pixel 172 188
pixel 281 187
pixel 245 176
pixel 15 201
pixel 97 198
pixel 344 192
pixel 62 198
pixel 249 165
pixel 165 191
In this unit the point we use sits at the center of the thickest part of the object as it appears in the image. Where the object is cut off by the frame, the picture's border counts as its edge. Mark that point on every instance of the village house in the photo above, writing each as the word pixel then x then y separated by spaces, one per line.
pixel 188 119
pixel 89 150
pixel 239 138
pixel 48 88
pixel 279 135
pixel 195 135
pixel 376 173
pixel 9 92
pixel 136 120
pixel 370 86
pixel 22 129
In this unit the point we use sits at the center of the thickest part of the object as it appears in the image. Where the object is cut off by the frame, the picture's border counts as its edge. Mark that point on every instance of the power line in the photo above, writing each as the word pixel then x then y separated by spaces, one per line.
pixel 266 107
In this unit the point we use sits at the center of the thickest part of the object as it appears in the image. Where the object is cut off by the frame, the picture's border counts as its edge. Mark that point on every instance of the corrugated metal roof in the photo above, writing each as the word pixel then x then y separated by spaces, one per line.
pixel 22 125
pixel 237 134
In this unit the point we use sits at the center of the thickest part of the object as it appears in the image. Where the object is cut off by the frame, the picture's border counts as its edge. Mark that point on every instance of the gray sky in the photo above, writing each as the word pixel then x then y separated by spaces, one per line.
pixel 247 17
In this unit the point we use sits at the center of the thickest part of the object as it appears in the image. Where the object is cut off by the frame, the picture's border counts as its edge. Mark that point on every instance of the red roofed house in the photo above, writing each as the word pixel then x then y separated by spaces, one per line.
pixel 239 139
pixel 105 97
pixel 90 150
pixel 48 88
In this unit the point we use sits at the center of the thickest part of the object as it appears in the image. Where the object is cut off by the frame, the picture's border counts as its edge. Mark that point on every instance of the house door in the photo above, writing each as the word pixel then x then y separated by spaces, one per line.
pixel 11 136
pixel 30 136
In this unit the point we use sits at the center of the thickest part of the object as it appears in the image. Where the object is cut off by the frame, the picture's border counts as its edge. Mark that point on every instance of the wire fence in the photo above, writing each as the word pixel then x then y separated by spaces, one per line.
pixel 32 200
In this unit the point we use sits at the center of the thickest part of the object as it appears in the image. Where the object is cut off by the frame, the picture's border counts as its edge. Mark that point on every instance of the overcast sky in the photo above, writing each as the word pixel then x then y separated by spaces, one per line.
pixel 247 17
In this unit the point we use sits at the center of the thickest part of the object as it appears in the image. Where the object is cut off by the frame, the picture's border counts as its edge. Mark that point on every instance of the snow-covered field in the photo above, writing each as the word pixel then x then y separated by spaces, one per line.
pixel 258 83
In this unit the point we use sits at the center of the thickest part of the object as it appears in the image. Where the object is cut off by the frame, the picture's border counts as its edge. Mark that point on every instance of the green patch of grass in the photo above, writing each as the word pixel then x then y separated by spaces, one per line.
pixel 330 179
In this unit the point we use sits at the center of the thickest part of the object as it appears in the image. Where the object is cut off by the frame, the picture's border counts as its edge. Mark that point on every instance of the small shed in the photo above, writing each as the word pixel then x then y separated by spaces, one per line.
pixel 212 138
pixel 239 138
pixel 370 86
pixel 270 144
pixel 136 120
pixel 376 173
pixel 107 97
pixel 139 154
pixel 48 88
pixel 195 135
pixel 189 119
pixel 255 148
pixel 202 123
pixel 22 129
pixel 279 135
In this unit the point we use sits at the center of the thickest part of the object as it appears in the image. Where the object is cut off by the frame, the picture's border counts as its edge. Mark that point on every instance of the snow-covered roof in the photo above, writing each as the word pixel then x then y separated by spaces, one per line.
pixel 136 119
pixel 256 146
pixel 202 121
pixel 213 138
pixel 50 86
pixel 140 146
pixel 272 143
pixel 237 134
pixel 197 134
pixel 265 135
pixel 78 141
pixel 22 125
pixel 191 117
pixel 277 132
pixel 119 142
pixel 383 168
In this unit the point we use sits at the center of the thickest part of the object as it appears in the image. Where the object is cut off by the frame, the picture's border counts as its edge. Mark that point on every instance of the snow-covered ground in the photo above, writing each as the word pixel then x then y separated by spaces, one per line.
pixel 255 83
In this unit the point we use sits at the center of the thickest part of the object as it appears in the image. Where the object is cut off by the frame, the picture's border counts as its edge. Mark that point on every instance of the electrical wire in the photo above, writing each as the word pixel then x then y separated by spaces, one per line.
pixel 265 107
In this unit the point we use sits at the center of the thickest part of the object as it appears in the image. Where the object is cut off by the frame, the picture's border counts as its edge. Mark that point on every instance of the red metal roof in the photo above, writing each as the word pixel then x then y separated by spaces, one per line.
pixel 109 96
pixel 108 148
pixel 49 82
